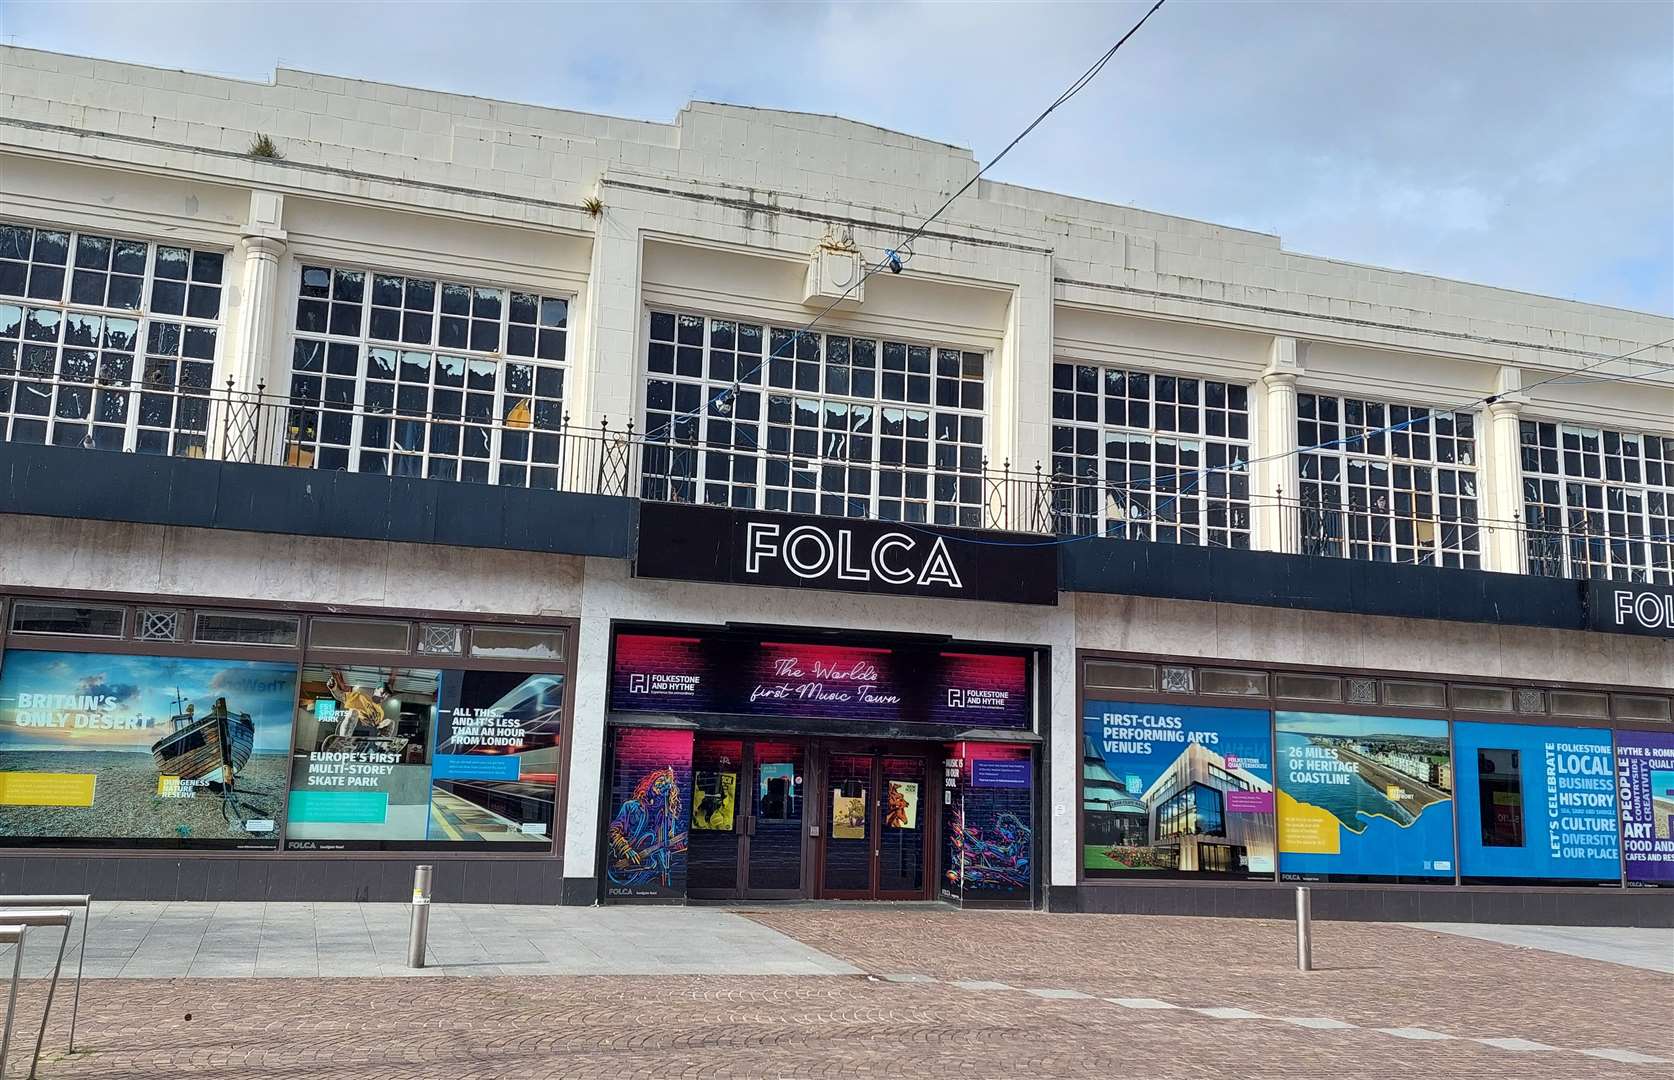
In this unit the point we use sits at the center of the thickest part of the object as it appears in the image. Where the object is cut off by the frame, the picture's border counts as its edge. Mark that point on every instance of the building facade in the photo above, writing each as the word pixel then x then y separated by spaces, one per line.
pixel 559 500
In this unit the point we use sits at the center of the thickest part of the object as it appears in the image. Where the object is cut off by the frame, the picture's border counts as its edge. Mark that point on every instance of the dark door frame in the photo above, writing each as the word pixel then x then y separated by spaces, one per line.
pixel 744 819
pixel 930 814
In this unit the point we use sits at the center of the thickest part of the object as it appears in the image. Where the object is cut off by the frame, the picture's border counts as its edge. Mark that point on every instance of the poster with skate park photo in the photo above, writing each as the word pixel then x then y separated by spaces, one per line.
pixel 389 758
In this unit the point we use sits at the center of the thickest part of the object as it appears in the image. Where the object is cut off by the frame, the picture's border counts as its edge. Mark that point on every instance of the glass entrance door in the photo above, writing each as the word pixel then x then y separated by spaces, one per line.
pixel 745 840
pixel 773 833
pixel 878 810
pixel 850 830
pixel 901 847
pixel 714 843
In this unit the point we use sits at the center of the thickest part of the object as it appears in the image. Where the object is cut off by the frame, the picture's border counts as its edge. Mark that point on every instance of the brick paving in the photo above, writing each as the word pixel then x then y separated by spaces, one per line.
pixel 848 1026
pixel 1365 973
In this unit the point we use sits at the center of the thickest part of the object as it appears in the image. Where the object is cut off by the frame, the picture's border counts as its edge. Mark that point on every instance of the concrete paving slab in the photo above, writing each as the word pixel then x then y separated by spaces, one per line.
pixel 152 940
pixel 1512 1043
pixel 1650 949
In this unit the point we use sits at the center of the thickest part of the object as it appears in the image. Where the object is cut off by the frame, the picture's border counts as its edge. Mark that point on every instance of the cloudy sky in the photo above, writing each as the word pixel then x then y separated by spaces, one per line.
pixel 143 689
pixel 1523 145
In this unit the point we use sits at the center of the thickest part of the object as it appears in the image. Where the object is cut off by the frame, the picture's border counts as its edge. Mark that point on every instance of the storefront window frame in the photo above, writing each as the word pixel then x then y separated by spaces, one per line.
pixel 300 656
pixel 414 658
pixel 1274 704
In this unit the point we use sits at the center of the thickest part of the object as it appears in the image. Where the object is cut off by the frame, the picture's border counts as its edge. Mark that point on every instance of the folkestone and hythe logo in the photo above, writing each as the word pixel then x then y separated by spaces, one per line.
pixel 966 698
pixel 659 682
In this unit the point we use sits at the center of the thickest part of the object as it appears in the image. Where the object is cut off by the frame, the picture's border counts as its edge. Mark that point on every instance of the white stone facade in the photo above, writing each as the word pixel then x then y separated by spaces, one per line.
pixel 718 213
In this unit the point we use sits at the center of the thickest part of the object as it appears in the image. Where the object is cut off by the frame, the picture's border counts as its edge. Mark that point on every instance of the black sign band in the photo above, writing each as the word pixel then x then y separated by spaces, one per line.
pixel 1630 608
pixel 752 547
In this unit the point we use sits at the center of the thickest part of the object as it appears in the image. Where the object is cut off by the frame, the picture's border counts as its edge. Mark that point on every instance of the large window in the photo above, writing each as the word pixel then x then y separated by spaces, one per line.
pixel 1389 483
pixel 758 416
pixel 389 757
pixel 1196 811
pixel 418 376
pixel 106 342
pixel 1150 457
pixel 123 750
pixel 1598 503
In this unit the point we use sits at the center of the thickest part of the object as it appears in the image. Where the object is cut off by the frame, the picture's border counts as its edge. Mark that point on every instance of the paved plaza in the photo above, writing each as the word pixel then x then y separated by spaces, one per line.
pixel 154 940
pixel 854 991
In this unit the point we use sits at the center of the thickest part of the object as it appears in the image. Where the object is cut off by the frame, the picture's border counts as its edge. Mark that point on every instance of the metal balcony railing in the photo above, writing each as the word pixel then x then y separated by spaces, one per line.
pixel 528 446
pixel 540 448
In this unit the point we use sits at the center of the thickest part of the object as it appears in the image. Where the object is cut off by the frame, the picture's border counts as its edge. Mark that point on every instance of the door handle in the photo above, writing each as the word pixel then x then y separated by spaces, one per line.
pixel 750 825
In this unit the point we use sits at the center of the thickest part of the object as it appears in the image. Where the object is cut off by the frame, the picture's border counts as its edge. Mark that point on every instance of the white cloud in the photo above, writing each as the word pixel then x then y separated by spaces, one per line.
pixel 1525 145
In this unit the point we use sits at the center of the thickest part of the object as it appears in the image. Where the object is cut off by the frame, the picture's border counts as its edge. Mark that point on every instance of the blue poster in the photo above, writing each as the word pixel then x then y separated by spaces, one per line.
pixel 1176 789
pixel 1004 774
pixel 1536 803
pixel 1364 798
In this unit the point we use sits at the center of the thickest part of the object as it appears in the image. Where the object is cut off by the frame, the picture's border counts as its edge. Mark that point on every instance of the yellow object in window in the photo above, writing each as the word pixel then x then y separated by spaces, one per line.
pixel 714 801
pixel 520 415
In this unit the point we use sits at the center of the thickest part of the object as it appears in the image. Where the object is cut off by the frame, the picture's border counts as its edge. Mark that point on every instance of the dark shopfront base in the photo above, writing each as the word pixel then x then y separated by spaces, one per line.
pixel 371 877
pixel 1386 903
pixel 786 815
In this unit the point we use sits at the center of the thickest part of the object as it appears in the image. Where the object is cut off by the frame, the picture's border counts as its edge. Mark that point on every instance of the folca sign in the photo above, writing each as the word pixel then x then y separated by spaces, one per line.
pixel 816 552
pixel 1631 609
pixel 747 547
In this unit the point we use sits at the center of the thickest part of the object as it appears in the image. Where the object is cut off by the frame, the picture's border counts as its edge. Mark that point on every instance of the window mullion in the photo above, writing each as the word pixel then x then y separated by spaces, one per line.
pixel 707 393
pixel 496 419
pixel 363 361
pixel 565 449
pixel 130 422
pixel 357 419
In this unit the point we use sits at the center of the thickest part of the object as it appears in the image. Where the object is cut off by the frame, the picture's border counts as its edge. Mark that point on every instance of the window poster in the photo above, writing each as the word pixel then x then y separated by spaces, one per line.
pixel 1645 784
pixel 420 757
pixel 651 781
pixel 848 815
pixel 902 812
pixel 778 798
pixel 1536 803
pixel 714 800
pixel 1364 798
pixel 142 751
pixel 988 824
pixel 1176 790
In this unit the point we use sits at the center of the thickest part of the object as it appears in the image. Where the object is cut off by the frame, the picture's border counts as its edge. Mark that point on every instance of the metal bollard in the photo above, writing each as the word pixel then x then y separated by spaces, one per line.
pixel 1304 930
pixel 420 926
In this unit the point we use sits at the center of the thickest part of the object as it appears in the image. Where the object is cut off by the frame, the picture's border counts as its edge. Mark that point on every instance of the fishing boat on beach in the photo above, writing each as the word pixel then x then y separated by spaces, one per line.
pixel 214 746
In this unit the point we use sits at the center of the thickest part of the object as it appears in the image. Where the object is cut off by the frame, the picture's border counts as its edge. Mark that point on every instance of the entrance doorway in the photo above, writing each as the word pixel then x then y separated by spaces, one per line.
pixel 777 818
pixel 745 840
pixel 878 813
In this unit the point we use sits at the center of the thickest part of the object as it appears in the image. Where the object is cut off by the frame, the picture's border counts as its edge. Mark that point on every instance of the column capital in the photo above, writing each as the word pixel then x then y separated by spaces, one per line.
pixel 1508 397
pixel 1508 405
pixel 1285 363
pixel 1280 378
pixel 267 244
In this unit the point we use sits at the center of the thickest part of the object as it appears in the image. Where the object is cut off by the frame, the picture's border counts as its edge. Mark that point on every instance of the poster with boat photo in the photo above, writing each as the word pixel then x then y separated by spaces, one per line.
pixel 1364 798
pixel 143 751
pixel 391 757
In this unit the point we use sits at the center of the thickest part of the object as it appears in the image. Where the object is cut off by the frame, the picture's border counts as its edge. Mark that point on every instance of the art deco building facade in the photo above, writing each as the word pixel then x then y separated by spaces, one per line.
pixel 392 476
